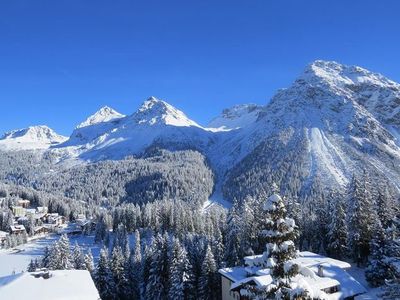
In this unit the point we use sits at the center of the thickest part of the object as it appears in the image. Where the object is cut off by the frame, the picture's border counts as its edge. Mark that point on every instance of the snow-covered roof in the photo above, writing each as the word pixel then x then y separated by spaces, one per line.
pixel 333 274
pixel 65 284
pixel 348 285
pixel 17 227
pixel 308 259
pixel 3 234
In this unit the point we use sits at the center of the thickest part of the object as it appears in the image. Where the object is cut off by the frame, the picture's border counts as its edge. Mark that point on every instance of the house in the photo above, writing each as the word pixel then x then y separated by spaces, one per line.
pixel 3 238
pixel 17 229
pixel 49 285
pixel 18 211
pixel 42 209
pixel 55 219
pixel 40 230
pixel 24 203
pixel 322 274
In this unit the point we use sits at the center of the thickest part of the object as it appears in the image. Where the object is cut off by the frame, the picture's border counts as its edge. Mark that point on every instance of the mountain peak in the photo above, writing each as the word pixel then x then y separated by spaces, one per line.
pixel 33 137
pixel 104 114
pixel 237 116
pixel 154 111
pixel 340 75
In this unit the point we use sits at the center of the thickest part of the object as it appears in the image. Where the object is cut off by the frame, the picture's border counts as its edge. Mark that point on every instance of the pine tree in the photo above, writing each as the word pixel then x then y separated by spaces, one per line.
pixel 133 270
pixel 118 270
pixel 78 259
pixel 208 282
pixel 279 235
pixel 378 269
pixel 103 277
pixel 385 207
pixel 232 237
pixel 32 266
pixel 45 257
pixel 337 234
pixel 89 263
pixel 158 282
pixel 361 218
pixel 179 271
pixel 64 253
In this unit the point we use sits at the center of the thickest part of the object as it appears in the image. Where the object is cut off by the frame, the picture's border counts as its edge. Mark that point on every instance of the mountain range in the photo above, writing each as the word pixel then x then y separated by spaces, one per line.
pixel 333 122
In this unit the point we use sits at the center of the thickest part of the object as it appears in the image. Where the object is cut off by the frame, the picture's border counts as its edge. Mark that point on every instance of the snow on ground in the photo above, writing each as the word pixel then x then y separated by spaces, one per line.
pixel 17 259
pixel 359 275
pixel 216 199
pixel 62 284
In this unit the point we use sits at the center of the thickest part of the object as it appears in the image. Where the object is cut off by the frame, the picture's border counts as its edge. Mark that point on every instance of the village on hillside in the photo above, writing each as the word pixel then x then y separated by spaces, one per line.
pixel 26 222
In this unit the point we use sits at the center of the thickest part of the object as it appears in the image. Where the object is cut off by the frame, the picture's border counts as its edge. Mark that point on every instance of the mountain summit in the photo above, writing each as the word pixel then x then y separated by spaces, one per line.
pixel 105 114
pixel 155 112
pixel 33 137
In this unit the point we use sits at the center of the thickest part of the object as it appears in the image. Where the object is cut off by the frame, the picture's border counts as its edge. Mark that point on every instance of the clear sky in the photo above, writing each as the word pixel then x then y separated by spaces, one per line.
pixel 62 60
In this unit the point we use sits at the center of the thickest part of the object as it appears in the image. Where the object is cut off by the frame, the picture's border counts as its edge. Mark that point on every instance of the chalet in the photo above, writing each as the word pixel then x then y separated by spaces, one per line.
pixel 55 219
pixel 24 203
pixel 17 229
pixel 3 238
pixel 40 230
pixel 320 273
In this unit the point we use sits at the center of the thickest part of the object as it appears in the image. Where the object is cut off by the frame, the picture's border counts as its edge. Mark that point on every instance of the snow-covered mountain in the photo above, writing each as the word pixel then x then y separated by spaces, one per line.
pixel 104 114
pixel 238 116
pixel 155 122
pixel 332 122
pixel 34 137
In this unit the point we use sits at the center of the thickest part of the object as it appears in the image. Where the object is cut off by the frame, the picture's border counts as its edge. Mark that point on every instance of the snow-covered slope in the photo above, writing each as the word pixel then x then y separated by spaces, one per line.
pixel 155 122
pixel 94 126
pixel 34 137
pixel 322 129
pixel 238 116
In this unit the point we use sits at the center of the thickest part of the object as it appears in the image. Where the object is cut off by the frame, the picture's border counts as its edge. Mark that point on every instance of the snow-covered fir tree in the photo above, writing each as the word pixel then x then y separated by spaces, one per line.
pixel 104 278
pixel 158 280
pixel 233 255
pixel 117 266
pixel 78 258
pixel 209 279
pixel 279 235
pixel 179 271
pixel 59 255
pixel 337 230
pixel 89 262
pixel 378 269
pixel 360 219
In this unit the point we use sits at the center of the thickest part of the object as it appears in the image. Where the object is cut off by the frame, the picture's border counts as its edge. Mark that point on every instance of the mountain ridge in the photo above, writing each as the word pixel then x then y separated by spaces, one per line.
pixel 333 121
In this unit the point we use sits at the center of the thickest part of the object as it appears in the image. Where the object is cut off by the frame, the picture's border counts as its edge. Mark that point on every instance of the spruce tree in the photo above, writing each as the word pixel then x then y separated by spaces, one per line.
pixel 89 263
pixel 78 259
pixel 103 277
pixel 360 219
pixel 117 266
pixel 232 237
pixel 279 235
pixel 158 282
pixel 179 271
pixel 378 269
pixel 208 282
pixel 337 234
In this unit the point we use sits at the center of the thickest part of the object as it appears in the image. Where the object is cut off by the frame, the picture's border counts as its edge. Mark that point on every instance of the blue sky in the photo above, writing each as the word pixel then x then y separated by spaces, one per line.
pixel 62 60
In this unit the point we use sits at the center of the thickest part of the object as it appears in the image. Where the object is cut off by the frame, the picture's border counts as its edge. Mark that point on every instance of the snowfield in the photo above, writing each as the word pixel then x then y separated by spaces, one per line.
pixel 16 260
